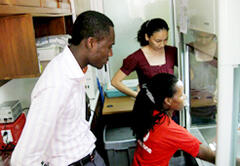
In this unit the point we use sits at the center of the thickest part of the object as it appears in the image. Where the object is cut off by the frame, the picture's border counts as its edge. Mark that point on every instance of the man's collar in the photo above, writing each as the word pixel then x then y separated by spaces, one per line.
pixel 73 68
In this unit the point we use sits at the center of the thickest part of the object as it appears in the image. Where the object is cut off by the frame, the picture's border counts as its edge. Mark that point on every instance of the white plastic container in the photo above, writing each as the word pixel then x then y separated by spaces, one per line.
pixel 120 145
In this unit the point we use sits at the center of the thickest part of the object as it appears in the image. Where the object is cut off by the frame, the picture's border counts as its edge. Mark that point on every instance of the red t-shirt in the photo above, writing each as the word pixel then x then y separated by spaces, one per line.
pixel 137 61
pixel 162 142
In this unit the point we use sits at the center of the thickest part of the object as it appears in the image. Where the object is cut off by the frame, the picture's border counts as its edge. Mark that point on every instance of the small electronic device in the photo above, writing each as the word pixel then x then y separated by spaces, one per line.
pixel 10 111
pixel 11 132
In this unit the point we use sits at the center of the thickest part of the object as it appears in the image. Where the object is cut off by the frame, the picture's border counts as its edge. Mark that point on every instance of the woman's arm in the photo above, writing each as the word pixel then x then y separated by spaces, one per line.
pixel 117 83
pixel 205 153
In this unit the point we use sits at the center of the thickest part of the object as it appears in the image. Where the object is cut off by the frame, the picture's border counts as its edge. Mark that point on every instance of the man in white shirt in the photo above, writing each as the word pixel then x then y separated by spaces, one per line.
pixel 56 132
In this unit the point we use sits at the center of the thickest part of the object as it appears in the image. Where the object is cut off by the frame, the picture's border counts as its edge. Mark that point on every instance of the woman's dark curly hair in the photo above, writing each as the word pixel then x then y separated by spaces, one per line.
pixel 149 27
pixel 160 86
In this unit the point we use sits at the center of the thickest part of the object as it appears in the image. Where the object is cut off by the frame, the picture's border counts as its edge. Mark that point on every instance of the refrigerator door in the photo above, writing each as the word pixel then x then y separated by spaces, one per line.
pixel 236 116
pixel 201 51
pixel 200 78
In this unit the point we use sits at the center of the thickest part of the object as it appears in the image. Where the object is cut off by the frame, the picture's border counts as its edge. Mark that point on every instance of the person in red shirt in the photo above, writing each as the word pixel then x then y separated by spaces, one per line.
pixel 154 56
pixel 158 136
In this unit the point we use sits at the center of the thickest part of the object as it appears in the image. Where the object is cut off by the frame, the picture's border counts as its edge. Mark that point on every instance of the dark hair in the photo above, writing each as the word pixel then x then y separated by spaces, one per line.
pixel 90 24
pixel 159 87
pixel 149 27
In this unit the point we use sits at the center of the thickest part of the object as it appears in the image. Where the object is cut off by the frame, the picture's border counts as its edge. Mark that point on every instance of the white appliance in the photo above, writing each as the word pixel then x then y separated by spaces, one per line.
pixel 10 111
pixel 203 19
pixel 200 15
pixel 91 82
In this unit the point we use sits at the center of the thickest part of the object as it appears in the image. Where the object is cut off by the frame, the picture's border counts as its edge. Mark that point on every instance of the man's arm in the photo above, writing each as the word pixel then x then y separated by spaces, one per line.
pixel 39 128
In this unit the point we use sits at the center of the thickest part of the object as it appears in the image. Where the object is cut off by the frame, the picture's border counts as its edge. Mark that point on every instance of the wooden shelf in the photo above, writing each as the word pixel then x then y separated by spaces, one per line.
pixel 20 23
pixel 45 26
pixel 36 3
pixel 35 11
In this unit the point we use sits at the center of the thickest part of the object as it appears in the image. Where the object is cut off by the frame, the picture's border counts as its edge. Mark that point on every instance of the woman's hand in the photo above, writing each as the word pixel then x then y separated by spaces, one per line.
pixel 117 83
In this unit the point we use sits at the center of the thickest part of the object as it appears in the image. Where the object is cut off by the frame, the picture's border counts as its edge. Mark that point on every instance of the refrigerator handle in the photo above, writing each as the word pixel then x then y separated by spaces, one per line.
pixel 186 81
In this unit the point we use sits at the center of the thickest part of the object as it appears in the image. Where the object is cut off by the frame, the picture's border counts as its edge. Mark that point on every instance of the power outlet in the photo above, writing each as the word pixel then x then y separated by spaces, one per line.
pixel 7 136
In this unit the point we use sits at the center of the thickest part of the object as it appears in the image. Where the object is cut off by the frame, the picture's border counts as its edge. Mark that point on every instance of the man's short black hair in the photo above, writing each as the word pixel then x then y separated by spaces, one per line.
pixel 90 24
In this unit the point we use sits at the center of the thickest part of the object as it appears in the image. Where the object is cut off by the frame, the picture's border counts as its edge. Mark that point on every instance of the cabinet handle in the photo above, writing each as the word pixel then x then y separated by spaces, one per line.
pixel 58 3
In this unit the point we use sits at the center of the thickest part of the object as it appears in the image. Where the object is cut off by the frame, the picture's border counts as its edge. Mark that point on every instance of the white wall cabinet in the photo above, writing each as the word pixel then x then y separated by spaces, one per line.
pixel 202 15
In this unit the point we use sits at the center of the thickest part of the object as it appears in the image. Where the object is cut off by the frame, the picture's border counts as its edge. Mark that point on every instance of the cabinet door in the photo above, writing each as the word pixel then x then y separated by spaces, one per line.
pixel 202 15
pixel 18 56
pixel 21 2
